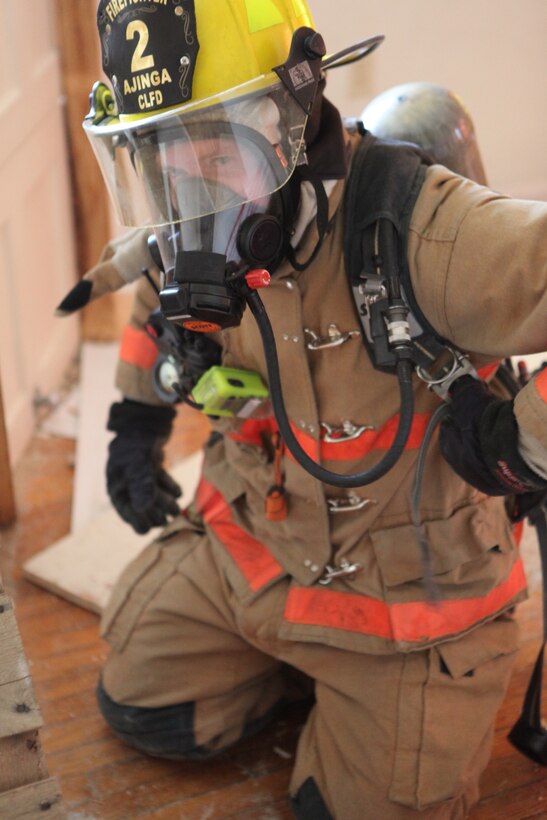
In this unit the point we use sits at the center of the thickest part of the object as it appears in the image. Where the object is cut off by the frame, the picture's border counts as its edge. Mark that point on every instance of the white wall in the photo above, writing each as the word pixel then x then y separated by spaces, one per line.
pixel 37 259
pixel 491 52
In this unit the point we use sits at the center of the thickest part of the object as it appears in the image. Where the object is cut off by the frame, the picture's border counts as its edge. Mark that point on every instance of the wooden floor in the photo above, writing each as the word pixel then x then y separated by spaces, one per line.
pixel 100 778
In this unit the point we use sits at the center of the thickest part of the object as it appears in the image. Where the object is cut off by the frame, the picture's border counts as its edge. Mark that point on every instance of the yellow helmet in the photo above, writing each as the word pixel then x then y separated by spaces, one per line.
pixel 164 53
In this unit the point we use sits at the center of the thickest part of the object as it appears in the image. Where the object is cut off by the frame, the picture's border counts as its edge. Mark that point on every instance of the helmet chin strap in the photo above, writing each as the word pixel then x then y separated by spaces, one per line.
pixel 305 174
pixel 327 153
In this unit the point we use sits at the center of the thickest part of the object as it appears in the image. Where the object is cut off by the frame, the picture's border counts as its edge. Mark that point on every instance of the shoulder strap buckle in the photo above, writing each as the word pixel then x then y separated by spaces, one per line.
pixel 460 365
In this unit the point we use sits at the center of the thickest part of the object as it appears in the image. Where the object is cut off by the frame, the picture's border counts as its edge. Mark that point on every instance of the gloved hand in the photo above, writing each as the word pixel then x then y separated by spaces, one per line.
pixel 142 492
pixel 479 439
pixel 122 261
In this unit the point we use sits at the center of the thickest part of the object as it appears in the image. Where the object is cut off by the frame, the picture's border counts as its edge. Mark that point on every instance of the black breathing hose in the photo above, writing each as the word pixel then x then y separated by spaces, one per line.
pixel 404 373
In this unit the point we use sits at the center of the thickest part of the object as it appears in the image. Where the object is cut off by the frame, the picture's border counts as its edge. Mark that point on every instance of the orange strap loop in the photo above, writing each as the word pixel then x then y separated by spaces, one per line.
pixel 276 499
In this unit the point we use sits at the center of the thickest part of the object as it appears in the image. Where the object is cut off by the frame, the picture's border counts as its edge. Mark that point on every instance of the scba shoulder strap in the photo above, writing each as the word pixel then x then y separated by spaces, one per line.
pixel 384 183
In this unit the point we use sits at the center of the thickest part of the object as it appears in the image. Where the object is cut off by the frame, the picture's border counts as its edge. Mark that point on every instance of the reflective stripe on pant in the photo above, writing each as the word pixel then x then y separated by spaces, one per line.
pixel 389 734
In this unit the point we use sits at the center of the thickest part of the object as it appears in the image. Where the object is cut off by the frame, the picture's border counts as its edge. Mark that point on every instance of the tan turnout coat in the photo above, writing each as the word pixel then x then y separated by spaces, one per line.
pixel 478 264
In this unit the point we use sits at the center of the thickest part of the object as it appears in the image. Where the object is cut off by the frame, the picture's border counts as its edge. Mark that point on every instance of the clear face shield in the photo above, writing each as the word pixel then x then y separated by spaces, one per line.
pixel 195 177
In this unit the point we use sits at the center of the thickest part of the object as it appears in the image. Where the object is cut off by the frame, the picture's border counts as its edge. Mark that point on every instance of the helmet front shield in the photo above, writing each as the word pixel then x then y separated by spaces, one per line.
pixel 241 148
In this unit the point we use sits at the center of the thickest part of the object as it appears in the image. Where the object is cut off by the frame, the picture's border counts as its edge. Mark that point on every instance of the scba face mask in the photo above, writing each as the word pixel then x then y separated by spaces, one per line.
pixel 214 190
pixel 220 208
pixel 205 258
pixel 210 181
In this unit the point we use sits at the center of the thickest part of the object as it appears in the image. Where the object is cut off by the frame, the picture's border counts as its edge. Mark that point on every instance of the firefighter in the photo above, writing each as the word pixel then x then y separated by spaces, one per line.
pixel 241 169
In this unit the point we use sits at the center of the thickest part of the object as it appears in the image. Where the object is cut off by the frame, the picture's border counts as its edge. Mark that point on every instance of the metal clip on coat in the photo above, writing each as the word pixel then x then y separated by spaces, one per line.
pixel 334 338
pixel 350 503
pixel 345 570
pixel 347 432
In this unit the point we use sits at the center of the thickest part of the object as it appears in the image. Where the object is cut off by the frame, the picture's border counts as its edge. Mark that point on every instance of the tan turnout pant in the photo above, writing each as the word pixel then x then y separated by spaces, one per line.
pixel 389 736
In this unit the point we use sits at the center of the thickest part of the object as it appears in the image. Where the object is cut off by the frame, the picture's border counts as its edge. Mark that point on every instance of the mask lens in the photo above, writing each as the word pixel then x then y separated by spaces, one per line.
pixel 208 175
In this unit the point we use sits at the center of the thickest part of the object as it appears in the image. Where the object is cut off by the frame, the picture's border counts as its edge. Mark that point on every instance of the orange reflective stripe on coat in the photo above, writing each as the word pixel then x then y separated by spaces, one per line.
pixel 541 384
pixel 251 433
pixel 517 530
pixel 488 371
pixel 137 348
pixel 370 440
pixel 254 560
pixel 409 622
pixel 253 430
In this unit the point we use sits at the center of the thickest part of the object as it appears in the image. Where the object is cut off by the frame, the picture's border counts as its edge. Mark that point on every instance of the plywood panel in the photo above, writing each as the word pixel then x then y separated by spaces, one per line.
pixel 97 369
pixel 83 567
pixel 21 761
pixel 19 711
pixel 37 800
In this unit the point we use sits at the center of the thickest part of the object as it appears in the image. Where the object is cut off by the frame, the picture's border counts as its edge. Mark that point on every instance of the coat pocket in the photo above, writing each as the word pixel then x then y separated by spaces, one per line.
pixel 470 538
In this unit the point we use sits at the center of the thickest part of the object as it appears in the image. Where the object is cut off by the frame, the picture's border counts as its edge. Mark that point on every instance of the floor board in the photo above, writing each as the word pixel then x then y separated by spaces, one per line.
pixel 100 778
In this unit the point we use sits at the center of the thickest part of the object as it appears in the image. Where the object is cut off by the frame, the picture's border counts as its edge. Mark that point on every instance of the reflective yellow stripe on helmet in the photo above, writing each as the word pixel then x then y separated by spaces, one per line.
pixel 256 36
pixel 262 14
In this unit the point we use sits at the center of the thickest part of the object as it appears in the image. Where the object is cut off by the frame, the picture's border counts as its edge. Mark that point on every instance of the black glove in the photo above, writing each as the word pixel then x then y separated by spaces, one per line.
pixel 479 439
pixel 139 488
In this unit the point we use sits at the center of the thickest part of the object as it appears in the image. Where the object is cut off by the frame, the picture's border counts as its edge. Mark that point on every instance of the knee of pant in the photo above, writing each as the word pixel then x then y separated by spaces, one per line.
pixel 309 804
pixel 166 732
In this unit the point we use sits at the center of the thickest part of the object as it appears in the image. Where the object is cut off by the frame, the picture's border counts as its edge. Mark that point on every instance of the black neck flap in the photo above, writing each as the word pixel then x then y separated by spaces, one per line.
pixel 328 151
